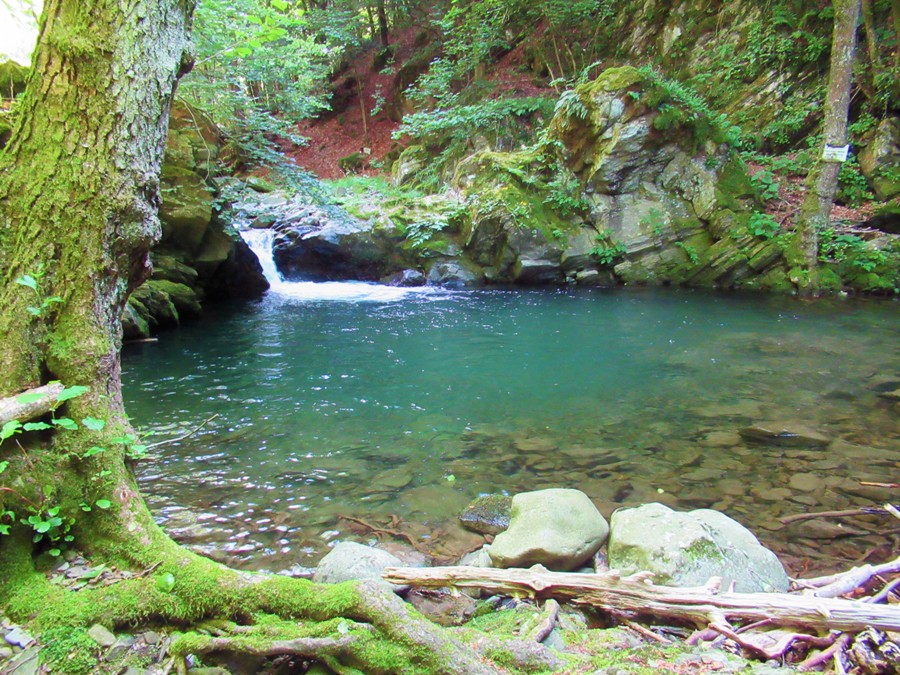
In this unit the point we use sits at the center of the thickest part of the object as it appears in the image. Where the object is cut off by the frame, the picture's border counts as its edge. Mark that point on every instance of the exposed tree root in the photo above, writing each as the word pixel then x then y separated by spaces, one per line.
pixel 355 625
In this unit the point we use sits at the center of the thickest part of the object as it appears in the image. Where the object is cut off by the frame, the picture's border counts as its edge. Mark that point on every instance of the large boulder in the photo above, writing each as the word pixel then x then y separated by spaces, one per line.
pixel 317 245
pixel 349 561
pixel 558 528
pixel 687 549
pixel 880 159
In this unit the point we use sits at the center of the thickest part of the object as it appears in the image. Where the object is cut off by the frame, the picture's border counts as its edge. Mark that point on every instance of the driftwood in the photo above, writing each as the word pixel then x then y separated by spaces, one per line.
pixel 11 409
pixel 834 585
pixel 863 511
pixel 635 594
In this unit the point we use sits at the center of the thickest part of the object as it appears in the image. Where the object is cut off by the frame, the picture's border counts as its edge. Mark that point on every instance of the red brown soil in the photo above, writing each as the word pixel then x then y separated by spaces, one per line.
pixel 337 134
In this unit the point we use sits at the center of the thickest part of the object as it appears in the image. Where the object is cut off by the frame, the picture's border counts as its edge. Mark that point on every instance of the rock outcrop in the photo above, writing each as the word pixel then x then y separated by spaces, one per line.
pixel 199 257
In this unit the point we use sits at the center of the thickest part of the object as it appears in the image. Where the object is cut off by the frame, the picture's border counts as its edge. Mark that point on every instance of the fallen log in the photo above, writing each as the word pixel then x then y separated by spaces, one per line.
pixel 38 401
pixel 638 595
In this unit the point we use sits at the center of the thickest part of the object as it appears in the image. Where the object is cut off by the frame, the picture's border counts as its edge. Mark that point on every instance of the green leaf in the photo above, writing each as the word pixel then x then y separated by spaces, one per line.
pixel 4 529
pixel 85 506
pixel 35 426
pixel 93 423
pixel 34 311
pixel 3 466
pixel 30 397
pixel 53 510
pixel 93 450
pixel 41 527
pixel 54 552
pixel 72 392
pixel 27 280
pixel 10 428
pixel 66 423
pixel 103 503
pixel 280 5
pixel 166 582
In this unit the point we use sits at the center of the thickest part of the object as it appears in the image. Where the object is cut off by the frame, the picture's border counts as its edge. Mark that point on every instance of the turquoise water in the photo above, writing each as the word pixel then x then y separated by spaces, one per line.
pixel 398 407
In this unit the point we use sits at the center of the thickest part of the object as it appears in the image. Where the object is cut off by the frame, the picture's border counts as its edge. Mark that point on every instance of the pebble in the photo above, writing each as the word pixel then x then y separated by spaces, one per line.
pixel 18 638
pixel 806 482
pixel 101 635
pixel 5 653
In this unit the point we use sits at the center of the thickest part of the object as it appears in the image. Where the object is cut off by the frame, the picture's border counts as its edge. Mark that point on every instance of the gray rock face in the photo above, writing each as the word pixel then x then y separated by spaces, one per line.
pixel 450 275
pixel 880 160
pixel 558 528
pixel 687 549
pixel 349 561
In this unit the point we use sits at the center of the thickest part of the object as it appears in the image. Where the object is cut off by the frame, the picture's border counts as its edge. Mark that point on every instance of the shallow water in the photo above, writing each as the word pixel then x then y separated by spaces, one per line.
pixel 397 407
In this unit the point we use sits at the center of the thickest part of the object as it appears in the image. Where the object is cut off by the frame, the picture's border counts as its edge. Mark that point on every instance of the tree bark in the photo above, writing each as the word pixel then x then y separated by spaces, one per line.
pixel 821 186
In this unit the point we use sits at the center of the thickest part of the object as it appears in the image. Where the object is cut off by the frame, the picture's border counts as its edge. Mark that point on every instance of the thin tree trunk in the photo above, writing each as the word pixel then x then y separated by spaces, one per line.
pixel 382 23
pixel 822 182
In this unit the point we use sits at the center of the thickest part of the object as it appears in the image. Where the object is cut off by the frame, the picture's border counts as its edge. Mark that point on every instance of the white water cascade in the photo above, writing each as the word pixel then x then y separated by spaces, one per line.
pixel 260 242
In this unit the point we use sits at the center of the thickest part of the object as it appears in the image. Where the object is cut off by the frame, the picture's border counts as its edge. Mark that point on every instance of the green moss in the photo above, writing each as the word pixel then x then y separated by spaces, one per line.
pixel 615 79
pixel 69 650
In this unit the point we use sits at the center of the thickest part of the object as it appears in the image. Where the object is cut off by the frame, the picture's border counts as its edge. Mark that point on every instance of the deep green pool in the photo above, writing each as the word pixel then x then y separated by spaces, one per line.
pixel 397 408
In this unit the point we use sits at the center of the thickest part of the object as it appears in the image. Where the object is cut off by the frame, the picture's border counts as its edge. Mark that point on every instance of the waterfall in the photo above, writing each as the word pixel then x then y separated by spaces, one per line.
pixel 261 241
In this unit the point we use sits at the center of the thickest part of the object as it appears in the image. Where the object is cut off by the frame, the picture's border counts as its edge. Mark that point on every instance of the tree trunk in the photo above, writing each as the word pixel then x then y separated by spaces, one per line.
pixel 382 23
pixel 79 193
pixel 821 184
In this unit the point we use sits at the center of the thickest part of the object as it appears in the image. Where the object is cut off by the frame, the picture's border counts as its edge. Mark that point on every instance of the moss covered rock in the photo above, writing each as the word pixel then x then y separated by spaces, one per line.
pixel 688 549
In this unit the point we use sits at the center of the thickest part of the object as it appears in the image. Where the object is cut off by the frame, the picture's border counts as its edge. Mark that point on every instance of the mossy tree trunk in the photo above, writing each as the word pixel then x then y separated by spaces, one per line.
pixel 821 185
pixel 79 192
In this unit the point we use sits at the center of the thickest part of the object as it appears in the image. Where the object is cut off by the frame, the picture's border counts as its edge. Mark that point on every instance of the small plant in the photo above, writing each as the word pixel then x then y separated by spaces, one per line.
pixel 689 251
pixel 763 225
pixel 766 185
pixel 849 249
pixel 33 281
pixel 606 252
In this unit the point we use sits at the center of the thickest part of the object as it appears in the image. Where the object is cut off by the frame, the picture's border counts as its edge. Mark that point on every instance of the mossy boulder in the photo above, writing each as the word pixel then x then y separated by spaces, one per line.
pixel 688 549
pixel 880 159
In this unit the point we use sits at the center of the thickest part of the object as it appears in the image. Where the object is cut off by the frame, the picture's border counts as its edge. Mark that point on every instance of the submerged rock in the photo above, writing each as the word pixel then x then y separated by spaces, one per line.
pixel 348 561
pixel 558 528
pixel 785 434
pixel 487 514
pixel 687 549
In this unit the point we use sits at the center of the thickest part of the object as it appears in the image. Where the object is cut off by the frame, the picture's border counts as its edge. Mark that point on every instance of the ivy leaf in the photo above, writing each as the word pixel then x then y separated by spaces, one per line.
pixel 27 280
pixel 280 5
pixel 103 503
pixel 93 423
pixel 93 450
pixel 10 428
pixel 66 423
pixel 54 552
pixel 35 426
pixel 72 392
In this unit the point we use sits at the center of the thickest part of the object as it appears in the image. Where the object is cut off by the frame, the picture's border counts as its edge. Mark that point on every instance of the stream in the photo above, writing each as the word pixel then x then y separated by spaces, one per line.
pixel 398 406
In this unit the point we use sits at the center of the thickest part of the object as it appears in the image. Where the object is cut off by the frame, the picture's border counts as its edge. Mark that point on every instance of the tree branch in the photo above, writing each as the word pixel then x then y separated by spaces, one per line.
pixel 11 409
pixel 635 594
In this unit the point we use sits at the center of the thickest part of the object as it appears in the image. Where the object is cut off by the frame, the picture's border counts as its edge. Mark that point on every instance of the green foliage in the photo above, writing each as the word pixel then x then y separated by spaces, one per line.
pixel 33 281
pixel 849 249
pixel 853 188
pixel 606 252
pixel 680 105
pixel 69 650
pixel 454 129
pixel 766 185
pixel 689 251
pixel 763 225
